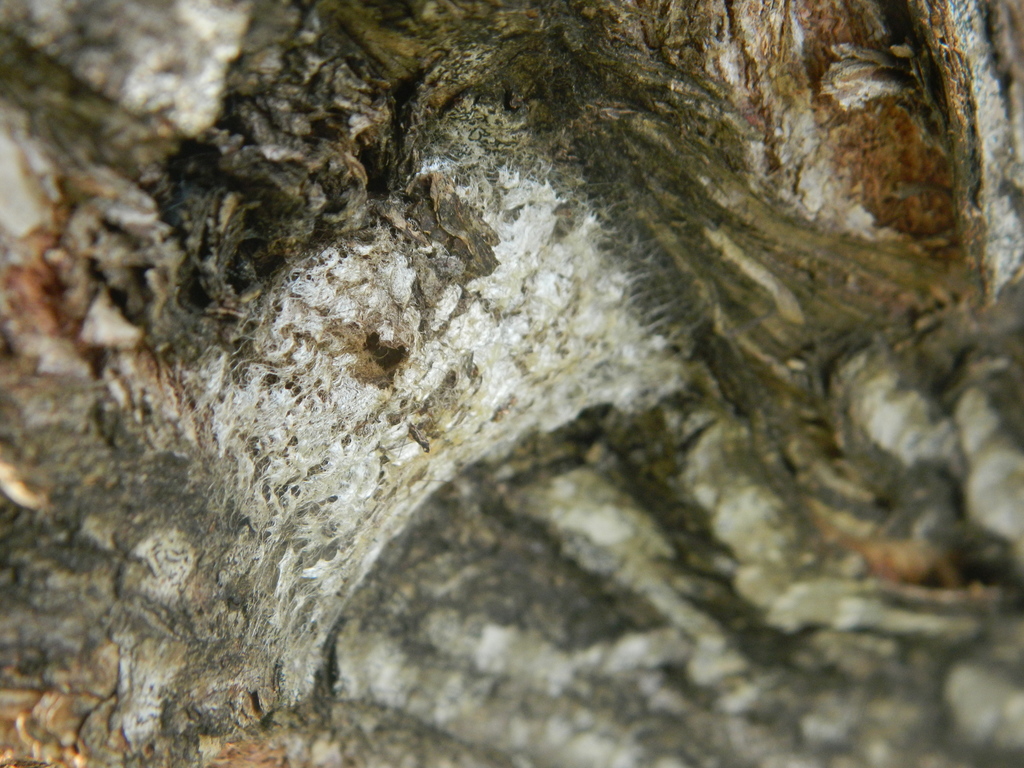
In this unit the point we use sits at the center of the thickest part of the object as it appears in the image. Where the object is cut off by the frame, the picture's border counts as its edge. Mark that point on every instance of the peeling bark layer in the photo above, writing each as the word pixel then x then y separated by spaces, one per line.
pixel 507 383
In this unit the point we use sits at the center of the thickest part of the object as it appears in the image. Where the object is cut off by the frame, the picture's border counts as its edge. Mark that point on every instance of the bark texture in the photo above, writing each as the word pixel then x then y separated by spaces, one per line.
pixel 511 383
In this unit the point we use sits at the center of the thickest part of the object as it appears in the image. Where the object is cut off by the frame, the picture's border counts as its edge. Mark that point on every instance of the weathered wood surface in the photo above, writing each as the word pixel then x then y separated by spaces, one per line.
pixel 508 383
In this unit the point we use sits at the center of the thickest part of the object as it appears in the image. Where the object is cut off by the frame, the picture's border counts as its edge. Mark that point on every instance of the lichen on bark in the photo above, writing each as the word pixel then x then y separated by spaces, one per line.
pixel 510 383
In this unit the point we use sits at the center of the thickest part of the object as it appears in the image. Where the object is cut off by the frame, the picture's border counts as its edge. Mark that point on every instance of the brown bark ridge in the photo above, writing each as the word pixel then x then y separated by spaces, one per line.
pixel 511 383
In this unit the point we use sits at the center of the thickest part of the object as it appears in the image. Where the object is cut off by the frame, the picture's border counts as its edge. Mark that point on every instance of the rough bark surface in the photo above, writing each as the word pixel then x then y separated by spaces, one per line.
pixel 511 383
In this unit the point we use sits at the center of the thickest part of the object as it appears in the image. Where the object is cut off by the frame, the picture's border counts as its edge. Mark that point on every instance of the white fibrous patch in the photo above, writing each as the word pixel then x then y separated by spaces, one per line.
pixel 170 560
pixel 355 369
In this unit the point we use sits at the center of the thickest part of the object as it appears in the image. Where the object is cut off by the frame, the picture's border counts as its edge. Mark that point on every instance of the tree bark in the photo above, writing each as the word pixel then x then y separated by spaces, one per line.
pixel 506 383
